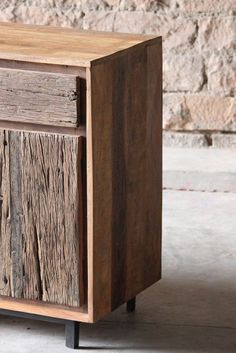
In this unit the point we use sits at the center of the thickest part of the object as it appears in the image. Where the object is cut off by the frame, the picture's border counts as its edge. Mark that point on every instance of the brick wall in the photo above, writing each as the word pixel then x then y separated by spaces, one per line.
pixel 199 40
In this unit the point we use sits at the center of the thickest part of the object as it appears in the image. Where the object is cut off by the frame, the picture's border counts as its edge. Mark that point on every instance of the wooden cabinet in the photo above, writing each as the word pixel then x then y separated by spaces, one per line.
pixel 80 170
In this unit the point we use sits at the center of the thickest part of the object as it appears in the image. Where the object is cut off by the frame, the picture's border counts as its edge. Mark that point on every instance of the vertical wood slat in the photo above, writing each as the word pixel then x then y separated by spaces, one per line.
pixel 40 240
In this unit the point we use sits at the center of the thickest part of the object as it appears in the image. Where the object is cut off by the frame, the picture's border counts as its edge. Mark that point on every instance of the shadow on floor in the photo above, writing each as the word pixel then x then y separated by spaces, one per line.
pixel 175 317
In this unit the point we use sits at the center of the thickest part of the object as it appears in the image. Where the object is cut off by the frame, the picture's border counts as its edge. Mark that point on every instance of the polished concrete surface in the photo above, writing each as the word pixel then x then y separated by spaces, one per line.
pixel 191 310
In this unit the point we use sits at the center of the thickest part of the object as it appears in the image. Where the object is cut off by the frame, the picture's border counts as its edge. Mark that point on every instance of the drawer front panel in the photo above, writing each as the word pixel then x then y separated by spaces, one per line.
pixel 40 235
pixel 39 97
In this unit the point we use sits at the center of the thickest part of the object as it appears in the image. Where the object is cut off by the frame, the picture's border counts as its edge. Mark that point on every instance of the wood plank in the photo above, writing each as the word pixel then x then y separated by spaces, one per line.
pixel 40 239
pixel 39 97
pixel 36 128
pixel 31 66
pixel 45 309
pixel 124 154
pixel 61 46
pixel 99 154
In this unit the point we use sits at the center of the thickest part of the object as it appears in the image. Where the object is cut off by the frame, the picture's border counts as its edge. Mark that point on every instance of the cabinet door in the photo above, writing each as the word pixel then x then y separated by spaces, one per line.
pixel 40 217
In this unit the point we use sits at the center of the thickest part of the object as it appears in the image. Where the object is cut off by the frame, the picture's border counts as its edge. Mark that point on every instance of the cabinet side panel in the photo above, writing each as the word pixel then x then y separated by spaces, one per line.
pixel 40 238
pixel 126 117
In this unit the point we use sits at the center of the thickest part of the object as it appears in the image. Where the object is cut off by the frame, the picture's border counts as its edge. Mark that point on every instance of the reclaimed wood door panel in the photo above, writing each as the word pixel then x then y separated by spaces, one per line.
pixel 40 230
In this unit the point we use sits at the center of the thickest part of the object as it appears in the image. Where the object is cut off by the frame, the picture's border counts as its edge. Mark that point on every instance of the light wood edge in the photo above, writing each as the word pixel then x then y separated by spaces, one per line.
pixel 44 309
pixel 89 163
pixel 43 67
pixel 40 128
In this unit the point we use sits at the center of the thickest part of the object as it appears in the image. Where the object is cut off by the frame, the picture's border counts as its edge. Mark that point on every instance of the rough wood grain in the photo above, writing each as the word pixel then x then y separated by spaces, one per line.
pixel 125 163
pixel 40 236
pixel 39 97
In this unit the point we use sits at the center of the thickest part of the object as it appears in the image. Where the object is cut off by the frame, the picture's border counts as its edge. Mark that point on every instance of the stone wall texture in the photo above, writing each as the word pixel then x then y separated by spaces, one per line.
pixel 199 42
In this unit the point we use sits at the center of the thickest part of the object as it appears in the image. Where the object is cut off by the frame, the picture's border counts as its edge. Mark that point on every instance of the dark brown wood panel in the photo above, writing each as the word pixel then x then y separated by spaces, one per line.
pixel 126 159
pixel 39 97
pixel 41 249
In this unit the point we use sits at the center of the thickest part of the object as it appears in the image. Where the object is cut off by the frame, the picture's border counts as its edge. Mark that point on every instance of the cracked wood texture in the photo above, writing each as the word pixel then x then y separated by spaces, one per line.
pixel 39 97
pixel 40 239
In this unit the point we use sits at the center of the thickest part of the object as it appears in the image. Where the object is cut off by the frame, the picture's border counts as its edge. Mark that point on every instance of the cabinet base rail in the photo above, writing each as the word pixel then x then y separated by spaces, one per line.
pixel 71 327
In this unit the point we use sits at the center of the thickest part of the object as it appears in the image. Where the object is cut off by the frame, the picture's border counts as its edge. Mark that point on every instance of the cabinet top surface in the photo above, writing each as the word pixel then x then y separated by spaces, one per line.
pixel 61 46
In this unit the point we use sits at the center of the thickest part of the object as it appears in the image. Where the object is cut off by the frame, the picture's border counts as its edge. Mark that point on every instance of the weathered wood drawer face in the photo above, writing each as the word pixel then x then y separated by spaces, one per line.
pixel 39 97
pixel 40 222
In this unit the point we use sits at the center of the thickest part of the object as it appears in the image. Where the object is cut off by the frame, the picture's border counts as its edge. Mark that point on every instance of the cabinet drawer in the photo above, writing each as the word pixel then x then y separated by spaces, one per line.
pixel 39 97
pixel 41 230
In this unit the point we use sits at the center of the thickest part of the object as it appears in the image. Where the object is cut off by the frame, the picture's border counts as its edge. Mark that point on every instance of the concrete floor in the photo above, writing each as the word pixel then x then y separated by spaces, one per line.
pixel 208 169
pixel 191 310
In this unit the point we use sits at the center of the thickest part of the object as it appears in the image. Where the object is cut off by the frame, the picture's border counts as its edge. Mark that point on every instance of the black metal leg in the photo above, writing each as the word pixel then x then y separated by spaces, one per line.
pixel 72 327
pixel 131 305
pixel 72 334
